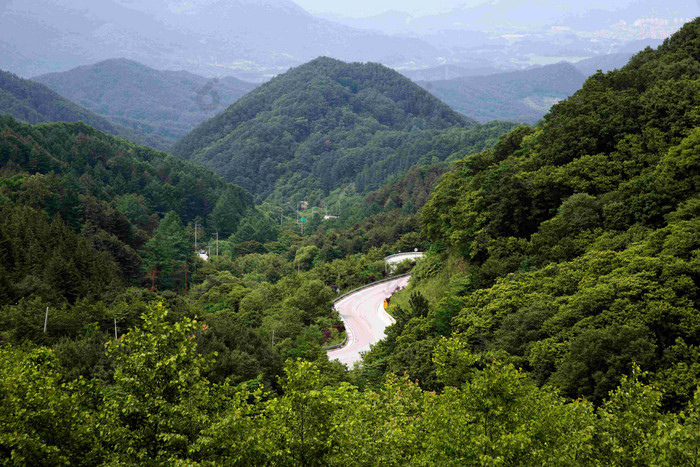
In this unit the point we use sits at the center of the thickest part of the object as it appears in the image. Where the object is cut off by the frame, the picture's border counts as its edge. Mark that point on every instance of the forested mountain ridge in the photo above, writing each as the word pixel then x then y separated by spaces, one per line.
pixel 97 229
pixel 33 102
pixel 110 194
pixel 319 126
pixel 166 104
pixel 519 96
pixel 571 249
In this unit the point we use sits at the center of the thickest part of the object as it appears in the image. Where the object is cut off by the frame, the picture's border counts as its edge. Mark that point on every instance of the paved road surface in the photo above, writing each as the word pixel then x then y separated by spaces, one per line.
pixel 365 319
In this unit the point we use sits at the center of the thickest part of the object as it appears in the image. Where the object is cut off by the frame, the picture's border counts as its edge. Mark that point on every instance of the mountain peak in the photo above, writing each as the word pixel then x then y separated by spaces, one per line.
pixel 321 109
pixel 163 103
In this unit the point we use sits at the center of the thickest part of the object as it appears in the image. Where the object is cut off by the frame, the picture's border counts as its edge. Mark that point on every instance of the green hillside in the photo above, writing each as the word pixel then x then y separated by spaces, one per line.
pixel 106 193
pixel 164 104
pixel 553 321
pixel 324 125
pixel 33 102
pixel 571 249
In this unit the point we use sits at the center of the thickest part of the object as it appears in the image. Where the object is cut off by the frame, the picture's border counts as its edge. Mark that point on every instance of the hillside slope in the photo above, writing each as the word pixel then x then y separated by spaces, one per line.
pixel 166 104
pixel 571 249
pixel 319 126
pixel 112 196
pixel 518 96
pixel 33 102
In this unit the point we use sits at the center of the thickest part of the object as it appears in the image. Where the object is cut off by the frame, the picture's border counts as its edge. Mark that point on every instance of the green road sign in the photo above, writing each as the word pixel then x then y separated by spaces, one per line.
pixel 303 219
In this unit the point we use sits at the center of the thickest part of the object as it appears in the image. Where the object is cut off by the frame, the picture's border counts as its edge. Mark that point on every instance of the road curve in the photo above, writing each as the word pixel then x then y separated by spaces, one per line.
pixel 399 257
pixel 365 319
pixel 393 260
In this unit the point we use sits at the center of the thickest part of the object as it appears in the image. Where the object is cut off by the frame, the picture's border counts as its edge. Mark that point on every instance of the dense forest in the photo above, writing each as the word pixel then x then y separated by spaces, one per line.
pixel 165 104
pixel 327 125
pixel 570 249
pixel 116 196
pixel 33 102
pixel 553 320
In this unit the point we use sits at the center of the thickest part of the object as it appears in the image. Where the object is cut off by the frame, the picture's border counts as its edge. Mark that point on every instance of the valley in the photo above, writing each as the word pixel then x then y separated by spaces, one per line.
pixel 382 246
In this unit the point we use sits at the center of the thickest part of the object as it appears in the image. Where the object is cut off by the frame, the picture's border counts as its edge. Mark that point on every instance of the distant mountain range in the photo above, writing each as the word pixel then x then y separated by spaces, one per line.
pixel 166 104
pixel 587 66
pixel 519 96
pixel 33 102
pixel 251 39
pixel 257 39
pixel 508 35
pixel 154 107
pixel 620 20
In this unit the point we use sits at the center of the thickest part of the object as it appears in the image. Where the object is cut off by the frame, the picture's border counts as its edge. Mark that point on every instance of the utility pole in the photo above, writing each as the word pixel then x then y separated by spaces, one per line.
pixel 217 243
pixel 46 320
pixel 115 329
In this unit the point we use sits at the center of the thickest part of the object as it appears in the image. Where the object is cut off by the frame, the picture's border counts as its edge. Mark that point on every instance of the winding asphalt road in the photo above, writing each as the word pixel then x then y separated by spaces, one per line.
pixel 365 319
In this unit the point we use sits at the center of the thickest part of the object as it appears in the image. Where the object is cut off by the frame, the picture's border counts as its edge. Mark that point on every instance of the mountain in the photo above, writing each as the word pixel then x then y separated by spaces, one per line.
pixel 519 96
pixel 447 72
pixel 563 249
pixel 166 104
pixel 587 66
pixel 33 102
pixel 250 38
pixel 257 39
pixel 517 34
pixel 321 126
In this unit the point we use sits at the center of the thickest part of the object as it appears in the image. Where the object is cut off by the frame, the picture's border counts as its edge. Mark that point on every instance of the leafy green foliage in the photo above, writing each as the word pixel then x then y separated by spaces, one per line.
pixel 42 420
pixel 160 409
pixel 159 400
